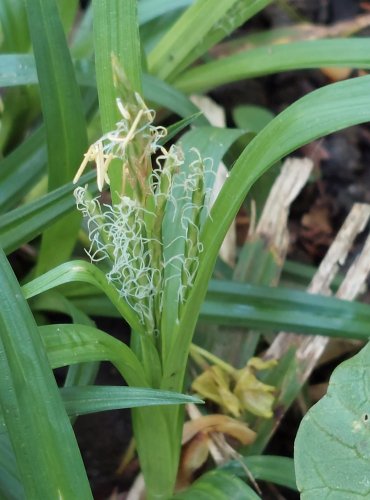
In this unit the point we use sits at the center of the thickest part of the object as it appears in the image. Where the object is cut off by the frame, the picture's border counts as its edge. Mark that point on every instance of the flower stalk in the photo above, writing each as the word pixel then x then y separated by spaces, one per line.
pixel 148 240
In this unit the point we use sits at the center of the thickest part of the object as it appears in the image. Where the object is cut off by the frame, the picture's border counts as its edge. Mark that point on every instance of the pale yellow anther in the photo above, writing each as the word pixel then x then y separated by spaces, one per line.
pixel 89 156
pixel 131 132
pixel 100 166
pixel 124 112
pixel 101 171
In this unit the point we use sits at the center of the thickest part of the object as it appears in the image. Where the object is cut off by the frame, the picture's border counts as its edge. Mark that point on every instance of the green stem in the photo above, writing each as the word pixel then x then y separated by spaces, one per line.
pixel 157 433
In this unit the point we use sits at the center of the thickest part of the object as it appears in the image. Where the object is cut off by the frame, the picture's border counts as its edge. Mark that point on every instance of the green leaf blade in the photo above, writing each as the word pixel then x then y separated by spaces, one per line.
pixel 24 223
pixel 21 169
pixel 84 272
pixel 13 21
pixel 115 33
pixel 218 485
pixel 47 454
pixel 269 468
pixel 64 120
pixel 75 343
pixel 201 26
pixel 319 113
pixel 351 53
pixel 93 399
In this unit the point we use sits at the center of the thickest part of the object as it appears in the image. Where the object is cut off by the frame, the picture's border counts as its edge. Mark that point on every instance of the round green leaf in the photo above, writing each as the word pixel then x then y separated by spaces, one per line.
pixel 332 448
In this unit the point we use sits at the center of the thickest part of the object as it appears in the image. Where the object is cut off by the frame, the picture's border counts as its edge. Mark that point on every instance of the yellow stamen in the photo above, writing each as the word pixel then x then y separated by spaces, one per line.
pixel 89 156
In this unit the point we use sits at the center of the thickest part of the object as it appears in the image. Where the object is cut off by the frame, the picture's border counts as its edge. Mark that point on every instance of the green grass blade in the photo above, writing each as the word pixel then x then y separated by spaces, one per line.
pixel 26 222
pixel 269 468
pixel 117 51
pixel 200 27
pixel 60 95
pixel 185 34
pixel 217 485
pixel 115 33
pixel 70 344
pixel 64 120
pixel 83 38
pixel 81 373
pixel 92 399
pixel 264 308
pixel 20 69
pixel 177 127
pixel 21 169
pixel 352 53
pixel 67 12
pixel 211 143
pixel 82 44
pixel 319 113
pixel 84 272
pixel 48 458
pixel 14 28
pixel 150 9
pixel 268 308
pixel 241 12
pixel 10 484
pixel 302 274
pixel 55 301
pixel 160 92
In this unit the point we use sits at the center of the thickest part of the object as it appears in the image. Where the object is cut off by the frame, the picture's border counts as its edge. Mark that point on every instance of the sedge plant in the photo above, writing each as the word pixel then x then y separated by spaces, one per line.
pixel 157 242
pixel 148 242
pixel 155 238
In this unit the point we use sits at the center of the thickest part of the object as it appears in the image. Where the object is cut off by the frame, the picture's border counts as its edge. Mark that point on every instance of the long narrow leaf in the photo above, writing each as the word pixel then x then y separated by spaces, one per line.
pixel 352 53
pixel 23 224
pixel 71 343
pixel 21 169
pixel 63 116
pixel 10 484
pixel 150 9
pixel 85 272
pixel 217 485
pixel 118 66
pixel 160 92
pixel 14 29
pixel 265 308
pixel 48 458
pixel 322 112
pixel 202 25
pixel 92 399
pixel 20 69
pixel 273 469
pixel 115 34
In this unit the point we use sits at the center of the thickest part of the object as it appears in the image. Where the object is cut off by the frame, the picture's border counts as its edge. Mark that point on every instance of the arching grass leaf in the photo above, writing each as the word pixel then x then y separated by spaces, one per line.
pixel 218 485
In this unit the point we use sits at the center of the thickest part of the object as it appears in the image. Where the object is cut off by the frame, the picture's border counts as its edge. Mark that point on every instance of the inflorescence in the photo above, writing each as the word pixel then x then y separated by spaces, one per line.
pixel 150 238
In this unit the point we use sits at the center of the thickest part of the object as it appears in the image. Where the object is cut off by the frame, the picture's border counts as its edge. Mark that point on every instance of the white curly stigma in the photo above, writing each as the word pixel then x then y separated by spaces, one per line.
pixel 117 233
pixel 129 235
